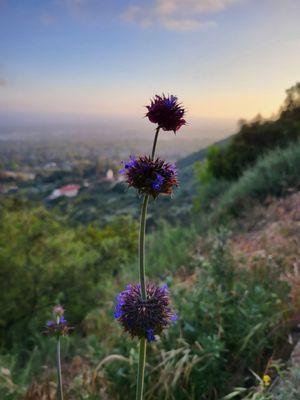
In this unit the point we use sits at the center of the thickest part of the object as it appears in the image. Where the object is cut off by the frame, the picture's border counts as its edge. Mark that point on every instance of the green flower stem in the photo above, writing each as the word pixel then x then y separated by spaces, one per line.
pixel 141 370
pixel 142 246
pixel 143 343
pixel 154 143
pixel 58 366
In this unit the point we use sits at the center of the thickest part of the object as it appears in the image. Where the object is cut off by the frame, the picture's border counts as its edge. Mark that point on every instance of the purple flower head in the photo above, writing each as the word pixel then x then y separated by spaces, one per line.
pixel 153 177
pixel 166 112
pixel 144 318
pixel 59 326
pixel 58 310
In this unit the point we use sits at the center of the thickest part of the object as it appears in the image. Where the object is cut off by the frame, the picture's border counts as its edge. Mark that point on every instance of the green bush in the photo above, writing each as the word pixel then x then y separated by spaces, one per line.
pixel 273 174
pixel 43 261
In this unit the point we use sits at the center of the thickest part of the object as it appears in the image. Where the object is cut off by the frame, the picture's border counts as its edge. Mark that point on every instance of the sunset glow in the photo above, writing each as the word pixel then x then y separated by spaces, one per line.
pixel 226 59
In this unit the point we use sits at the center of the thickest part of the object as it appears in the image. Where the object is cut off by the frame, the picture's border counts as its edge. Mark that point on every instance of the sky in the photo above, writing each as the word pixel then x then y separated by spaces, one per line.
pixel 224 59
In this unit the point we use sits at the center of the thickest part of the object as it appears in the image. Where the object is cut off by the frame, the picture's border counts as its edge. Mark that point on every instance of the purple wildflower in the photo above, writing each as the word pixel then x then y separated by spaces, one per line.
pixel 58 310
pixel 59 326
pixel 149 176
pixel 144 318
pixel 166 112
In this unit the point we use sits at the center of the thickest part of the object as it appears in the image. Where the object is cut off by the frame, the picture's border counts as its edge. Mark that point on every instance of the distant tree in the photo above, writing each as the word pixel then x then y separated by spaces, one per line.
pixel 291 106
pixel 256 137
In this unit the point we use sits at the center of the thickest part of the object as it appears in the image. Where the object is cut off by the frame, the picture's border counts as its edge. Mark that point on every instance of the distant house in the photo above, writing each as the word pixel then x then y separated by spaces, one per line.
pixel 66 191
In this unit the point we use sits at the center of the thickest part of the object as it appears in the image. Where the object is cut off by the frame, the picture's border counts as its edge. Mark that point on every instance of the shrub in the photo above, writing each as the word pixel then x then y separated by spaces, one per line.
pixel 43 261
pixel 273 174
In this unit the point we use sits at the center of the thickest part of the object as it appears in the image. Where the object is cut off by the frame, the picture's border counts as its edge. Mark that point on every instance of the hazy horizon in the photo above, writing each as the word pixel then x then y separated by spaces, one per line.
pixel 205 130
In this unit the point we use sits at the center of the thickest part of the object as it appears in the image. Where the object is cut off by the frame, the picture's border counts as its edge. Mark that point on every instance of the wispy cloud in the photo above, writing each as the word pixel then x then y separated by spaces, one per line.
pixel 177 14
pixel 90 10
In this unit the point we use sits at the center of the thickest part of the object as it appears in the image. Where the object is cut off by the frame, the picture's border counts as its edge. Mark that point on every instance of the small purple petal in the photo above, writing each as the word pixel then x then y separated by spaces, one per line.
pixel 150 335
pixel 174 318
pixel 62 320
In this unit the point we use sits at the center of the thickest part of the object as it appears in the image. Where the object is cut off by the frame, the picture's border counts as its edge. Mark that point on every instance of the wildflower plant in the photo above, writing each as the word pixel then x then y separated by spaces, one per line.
pixel 58 327
pixel 142 318
pixel 143 309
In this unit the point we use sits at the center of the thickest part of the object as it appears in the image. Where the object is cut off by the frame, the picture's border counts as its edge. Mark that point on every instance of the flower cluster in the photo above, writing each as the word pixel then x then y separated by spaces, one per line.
pixel 166 112
pixel 144 318
pixel 59 325
pixel 152 177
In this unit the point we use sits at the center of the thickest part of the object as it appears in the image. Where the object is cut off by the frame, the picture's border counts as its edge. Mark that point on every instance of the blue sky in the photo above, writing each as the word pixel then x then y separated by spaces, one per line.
pixel 222 58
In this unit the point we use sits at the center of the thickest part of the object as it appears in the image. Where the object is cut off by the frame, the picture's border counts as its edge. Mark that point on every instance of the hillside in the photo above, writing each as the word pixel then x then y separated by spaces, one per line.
pixel 248 269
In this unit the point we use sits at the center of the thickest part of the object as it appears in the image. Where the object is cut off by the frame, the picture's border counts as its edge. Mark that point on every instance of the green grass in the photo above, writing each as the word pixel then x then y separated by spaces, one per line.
pixel 170 248
pixel 274 174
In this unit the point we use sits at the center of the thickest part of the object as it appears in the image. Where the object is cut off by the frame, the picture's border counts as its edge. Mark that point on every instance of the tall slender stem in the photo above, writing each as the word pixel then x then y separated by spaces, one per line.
pixel 143 343
pixel 154 143
pixel 141 370
pixel 58 365
pixel 142 246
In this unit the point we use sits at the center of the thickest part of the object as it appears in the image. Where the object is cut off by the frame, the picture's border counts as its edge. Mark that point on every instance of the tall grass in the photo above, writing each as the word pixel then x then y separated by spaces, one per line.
pixel 170 248
pixel 274 174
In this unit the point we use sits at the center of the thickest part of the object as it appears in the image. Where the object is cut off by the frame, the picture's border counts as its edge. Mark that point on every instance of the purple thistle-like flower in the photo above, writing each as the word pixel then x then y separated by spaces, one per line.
pixel 166 112
pixel 149 176
pixel 58 310
pixel 59 326
pixel 144 318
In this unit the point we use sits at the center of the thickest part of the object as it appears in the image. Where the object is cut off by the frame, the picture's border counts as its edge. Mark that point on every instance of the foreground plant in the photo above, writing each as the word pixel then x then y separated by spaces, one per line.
pixel 144 309
pixel 58 327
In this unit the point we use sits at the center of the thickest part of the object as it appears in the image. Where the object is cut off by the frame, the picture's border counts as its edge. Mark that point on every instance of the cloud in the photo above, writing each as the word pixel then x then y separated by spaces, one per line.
pixel 91 10
pixel 177 14
pixel 187 24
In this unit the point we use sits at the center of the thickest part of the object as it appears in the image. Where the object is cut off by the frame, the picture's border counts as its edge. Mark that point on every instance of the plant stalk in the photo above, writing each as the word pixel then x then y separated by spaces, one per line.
pixel 155 142
pixel 143 343
pixel 142 246
pixel 141 369
pixel 58 366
